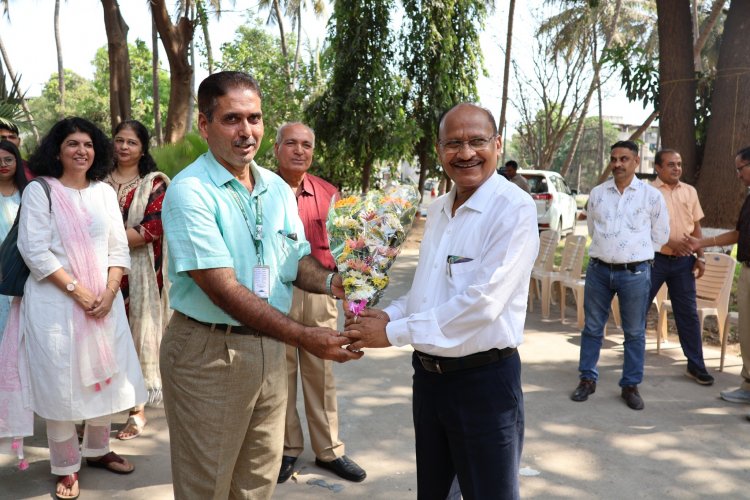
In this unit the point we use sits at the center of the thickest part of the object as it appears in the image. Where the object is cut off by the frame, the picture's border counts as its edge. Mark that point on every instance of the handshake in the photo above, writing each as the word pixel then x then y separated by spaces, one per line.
pixel 367 329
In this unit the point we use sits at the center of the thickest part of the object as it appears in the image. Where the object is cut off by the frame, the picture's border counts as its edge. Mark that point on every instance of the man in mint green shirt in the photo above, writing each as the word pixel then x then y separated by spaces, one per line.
pixel 236 246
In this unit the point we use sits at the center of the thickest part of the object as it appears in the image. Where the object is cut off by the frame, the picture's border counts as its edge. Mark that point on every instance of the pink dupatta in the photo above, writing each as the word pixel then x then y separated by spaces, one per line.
pixel 93 338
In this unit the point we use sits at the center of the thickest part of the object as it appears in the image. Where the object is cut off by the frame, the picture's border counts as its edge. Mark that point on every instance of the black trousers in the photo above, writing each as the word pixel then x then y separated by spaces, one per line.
pixel 469 424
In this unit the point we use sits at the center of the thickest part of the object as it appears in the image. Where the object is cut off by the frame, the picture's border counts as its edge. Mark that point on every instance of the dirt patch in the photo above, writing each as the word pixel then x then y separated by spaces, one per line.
pixel 414 238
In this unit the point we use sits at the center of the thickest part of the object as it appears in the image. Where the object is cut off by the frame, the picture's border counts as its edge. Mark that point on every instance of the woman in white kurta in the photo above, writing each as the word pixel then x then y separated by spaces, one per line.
pixel 12 182
pixel 64 293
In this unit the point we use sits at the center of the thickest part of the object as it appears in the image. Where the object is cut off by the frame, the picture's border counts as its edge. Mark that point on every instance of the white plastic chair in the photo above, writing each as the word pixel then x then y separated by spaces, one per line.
pixel 570 266
pixel 712 296
pixel 545 260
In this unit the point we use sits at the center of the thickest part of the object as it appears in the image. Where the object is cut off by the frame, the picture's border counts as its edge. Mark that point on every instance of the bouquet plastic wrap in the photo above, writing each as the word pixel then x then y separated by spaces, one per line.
pixel 365 235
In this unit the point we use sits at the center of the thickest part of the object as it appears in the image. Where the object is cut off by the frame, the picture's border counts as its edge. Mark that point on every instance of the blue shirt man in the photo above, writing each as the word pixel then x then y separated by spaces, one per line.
pixel 236 245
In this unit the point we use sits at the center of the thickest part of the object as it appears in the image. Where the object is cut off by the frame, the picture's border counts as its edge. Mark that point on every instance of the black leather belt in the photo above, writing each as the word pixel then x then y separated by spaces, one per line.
pixel 628 266
pixel 670 257
pixel 227 329
pixel 439 364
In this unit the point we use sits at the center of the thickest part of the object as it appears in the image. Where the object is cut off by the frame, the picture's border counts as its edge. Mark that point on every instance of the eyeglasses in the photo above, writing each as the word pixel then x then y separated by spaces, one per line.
pixel 739 169
pixel 476 144
pixel 8 161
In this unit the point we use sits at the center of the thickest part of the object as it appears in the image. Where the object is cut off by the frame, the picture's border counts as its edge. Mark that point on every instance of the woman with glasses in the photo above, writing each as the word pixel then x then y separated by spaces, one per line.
pixel 140 189
pixel 12 182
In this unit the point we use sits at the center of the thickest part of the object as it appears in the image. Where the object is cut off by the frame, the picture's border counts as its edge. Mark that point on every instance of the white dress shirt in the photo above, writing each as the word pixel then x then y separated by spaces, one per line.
pixel 628 226
pixel 478 304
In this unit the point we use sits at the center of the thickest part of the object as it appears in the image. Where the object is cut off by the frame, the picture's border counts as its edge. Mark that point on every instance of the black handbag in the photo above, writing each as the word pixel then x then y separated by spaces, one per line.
pixel 13 270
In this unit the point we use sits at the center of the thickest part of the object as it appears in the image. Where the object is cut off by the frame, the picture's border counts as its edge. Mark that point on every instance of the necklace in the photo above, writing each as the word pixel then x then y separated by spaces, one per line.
pixel 112 175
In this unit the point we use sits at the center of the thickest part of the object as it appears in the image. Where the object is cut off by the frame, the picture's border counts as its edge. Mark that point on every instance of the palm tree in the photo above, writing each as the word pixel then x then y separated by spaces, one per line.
pixel 294 10
pixel 506 70
pixel 274 15
pixel 60 68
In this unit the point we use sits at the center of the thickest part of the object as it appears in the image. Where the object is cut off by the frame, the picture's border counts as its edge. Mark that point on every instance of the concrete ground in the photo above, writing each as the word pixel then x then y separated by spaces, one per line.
pixel 686 444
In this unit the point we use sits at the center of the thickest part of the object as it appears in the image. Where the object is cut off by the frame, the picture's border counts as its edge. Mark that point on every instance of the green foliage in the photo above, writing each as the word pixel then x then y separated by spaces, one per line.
pixel 255 51
pixel 81 99
pixel 141 88
pixel 639 72
pixel 11 110
pixel 442 60
pixel 171 158
pixel 359 118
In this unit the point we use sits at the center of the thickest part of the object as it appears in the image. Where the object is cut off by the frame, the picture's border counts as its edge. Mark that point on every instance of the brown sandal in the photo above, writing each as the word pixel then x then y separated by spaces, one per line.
pixel 67 482
pixel 107 461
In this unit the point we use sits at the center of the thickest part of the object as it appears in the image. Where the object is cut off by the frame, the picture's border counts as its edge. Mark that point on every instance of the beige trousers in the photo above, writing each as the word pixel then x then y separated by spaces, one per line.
pixel 224 397
pixel 743 324
pixel 318 384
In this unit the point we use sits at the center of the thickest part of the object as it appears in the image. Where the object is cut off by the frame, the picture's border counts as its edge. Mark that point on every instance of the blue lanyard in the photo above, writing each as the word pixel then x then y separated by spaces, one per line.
pixel 257 236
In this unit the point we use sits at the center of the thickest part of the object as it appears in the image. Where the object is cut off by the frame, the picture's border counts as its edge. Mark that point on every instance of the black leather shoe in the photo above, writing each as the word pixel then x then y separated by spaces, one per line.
pixel 700 376
pixel 287 468
pixel 632 397
pixel 345 468
pixel 585 388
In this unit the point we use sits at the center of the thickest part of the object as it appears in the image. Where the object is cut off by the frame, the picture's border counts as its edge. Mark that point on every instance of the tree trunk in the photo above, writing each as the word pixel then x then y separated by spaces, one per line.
pixel 677 84
pixel 608 35
pixel 366 172
pixel 298 49
pixel 506 70
pixel 119 63
pixel 14 78
pixel 155 83
pixel 176 41
pixel 721 194
pixel 60 68
pixel 203 20
pixel 284 50
pixel 701 39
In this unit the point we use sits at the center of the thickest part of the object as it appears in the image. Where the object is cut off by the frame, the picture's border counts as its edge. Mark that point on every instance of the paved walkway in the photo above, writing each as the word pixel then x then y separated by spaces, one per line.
pixel 686 444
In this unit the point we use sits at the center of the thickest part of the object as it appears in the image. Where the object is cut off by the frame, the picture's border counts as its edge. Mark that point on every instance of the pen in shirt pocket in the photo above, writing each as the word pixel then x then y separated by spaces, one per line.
pixel 455 259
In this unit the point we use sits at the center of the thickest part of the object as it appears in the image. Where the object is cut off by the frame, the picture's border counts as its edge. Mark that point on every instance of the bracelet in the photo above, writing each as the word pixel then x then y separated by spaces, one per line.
pixel 114 292
pixel 117 283
pixel 329 282
pixel 702 259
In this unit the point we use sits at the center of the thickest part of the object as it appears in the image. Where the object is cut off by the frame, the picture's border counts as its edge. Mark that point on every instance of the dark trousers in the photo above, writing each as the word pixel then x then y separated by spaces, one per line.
pixel 469 424
pixel 677 273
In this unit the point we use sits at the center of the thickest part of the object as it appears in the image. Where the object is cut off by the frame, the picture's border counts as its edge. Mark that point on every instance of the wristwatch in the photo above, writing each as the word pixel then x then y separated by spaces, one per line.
pixel 71 287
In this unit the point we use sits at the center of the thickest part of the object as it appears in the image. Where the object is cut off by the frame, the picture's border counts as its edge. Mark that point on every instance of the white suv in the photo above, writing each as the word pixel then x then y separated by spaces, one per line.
pixel 555 201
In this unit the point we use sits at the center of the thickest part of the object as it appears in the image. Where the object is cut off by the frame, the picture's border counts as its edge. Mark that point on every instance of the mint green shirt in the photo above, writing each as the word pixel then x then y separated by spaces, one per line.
pixel 206 229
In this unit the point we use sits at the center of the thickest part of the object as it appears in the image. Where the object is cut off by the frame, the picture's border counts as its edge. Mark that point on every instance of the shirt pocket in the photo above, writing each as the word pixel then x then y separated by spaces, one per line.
pixel 636 220
pixel 462 275
pixel 285 256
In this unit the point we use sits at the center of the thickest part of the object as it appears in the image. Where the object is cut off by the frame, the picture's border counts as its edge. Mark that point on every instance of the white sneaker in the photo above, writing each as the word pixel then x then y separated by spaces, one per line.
pixel 736 396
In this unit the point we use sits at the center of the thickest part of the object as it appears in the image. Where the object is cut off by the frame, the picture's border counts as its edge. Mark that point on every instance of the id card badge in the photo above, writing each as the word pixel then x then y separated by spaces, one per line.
pixel 262 281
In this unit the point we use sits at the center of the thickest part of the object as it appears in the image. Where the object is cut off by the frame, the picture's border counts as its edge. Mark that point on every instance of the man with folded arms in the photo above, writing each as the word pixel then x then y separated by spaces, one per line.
pixel 627 221
pixel 294 148
pixel 464 315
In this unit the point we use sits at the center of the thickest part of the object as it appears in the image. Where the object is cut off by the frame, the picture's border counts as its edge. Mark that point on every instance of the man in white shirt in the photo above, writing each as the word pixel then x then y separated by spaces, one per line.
pixel 464 315
pixel 627 221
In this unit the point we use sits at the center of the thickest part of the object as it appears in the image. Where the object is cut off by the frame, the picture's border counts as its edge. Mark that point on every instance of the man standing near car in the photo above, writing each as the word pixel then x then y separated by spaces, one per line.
pixel 675 264
pixel 627 222
pixel 294 148
pixel 511 173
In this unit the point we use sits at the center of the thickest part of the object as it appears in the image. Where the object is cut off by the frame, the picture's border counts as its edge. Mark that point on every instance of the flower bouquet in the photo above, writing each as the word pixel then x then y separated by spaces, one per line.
pixel 365 235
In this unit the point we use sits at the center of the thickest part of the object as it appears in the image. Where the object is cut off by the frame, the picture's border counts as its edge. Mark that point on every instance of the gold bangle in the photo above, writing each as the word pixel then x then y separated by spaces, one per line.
pixel 117 283
pixel 114 292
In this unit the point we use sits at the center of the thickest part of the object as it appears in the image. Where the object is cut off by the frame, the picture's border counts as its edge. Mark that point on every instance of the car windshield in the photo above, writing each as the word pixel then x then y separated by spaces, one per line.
pixel 537 184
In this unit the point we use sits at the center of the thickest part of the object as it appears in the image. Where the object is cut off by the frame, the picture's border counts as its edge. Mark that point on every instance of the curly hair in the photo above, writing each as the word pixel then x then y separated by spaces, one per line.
pixel 19 178
pixel 46 159
pixel 146 164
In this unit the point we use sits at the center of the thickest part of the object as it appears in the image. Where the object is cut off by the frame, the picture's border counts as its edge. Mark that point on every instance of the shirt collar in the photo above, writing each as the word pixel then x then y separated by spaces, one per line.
pixel 635 184
pixel 479 200
pixel 307 186
pixel 658 183
pixel 219 175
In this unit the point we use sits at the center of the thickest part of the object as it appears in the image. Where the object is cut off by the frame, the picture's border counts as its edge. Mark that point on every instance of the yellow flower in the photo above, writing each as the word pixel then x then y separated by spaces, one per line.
pixel 346 202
